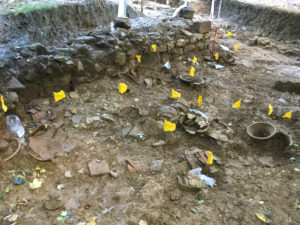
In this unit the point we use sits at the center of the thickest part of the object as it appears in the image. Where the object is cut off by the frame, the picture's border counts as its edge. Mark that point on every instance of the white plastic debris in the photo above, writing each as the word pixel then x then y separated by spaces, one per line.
pixel 225 48
pixel 206 180
pixel 167 65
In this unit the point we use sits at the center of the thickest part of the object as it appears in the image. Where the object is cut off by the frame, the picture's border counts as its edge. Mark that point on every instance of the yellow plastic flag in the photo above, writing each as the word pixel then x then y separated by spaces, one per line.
pixel 226 25
pixel 288 115
pixel 59 95
pixel 229 34
pixel 220 25
pixel 217 56
pixel 4 107
pixel 262 217
pixel 236 47
pixel 91 221
pixel 192 71
pixel 199 100
pixel 210 158
pixel 169 126
pixel 175 94
pixel 270 110
pixel 237 104
pixel 194 60
pixel 153 47
pixel 139 57
pixel 122 88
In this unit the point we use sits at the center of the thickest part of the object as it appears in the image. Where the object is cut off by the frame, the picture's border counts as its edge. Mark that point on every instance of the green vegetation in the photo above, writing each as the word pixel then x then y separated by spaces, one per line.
pixel 31 7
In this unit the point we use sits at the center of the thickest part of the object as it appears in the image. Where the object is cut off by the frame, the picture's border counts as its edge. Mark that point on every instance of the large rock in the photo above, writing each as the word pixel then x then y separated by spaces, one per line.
pixel 98 168
pixel 15 85
pixel 201 27
pixel 120 58
pixel 187 12
pixel 122 23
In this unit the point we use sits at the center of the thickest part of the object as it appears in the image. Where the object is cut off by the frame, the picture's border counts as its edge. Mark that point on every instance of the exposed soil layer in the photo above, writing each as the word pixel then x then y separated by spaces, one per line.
pixel 271 21
pixel 57 24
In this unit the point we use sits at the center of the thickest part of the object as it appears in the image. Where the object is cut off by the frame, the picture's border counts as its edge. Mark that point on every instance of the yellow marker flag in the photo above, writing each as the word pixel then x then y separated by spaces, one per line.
pixel 4 107
pixel 229 34
pixel 169 126
pixel 262 217
pixel 199 100
pixel 210 158
pixel 192 71
pixel 175 94
pixel 122 88
pixel 237 104
pixel 236 47
pixel 270 110
pixel 139 57
pixel 288 115
pixel 226 25
pixel 153 47
pixel 59 95
pixel 217 56
pixel 220 25
pixel 194 60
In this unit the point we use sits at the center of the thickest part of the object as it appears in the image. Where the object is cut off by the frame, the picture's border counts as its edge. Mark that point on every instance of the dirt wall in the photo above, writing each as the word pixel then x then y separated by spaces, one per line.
pixel 275 22
pixel 53 25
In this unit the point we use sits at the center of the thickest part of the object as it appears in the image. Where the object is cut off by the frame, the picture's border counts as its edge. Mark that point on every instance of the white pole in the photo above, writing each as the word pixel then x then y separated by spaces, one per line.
pixel 220 5
pixel 211 16
pixel 122 9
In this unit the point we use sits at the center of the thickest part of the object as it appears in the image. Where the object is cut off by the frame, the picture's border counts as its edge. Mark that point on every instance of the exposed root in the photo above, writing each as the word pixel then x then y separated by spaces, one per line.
pixel 16 152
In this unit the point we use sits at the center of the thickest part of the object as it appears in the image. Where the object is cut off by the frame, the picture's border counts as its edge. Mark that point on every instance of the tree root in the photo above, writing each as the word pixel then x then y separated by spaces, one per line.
pixel 16 152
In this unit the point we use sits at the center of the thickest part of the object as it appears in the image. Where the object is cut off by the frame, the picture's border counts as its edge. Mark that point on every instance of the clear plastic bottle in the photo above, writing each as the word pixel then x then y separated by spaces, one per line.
pixel 14 125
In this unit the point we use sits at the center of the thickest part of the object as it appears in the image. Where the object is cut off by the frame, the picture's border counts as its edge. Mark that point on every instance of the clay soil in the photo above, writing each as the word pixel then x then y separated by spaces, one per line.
pixel 251 177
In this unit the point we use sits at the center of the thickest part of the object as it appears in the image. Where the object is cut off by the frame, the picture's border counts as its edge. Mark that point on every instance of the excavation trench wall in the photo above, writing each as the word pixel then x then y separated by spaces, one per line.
pixel 56 24
pixel 42 69
pixel 282 23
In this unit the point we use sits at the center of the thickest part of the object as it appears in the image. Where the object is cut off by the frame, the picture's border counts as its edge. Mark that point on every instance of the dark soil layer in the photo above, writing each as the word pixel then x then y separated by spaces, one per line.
pixel 273 21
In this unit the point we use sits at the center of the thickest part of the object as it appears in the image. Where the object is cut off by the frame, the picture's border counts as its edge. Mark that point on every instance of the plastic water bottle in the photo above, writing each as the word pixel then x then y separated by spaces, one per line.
pixel 14 125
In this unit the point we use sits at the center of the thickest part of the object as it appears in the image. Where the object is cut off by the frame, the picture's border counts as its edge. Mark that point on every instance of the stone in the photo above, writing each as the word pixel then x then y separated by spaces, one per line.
pixel 12 97
pixel 263 41
pixel 98 168
pixel 170 46
pixel 120 58
pixel 122 23
pixel 194 181
pixel 14 84
pixel 207 36
pixel 3 144
pixel 85 39
pixel 153 193
pixel 187 33
pixel 80 66
pixel 53 204
pixel 186 12
pixel 158 143
pixel 198 36
pixel 189 48
pixel 38 48
pixel 59 58
pixel 192 39
pixel 201 27
pixel 178 51
pixel 97 68
pixel 74 95
pixel 162 47
pixel 108 117
pixel 181 42
pixel 92 119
